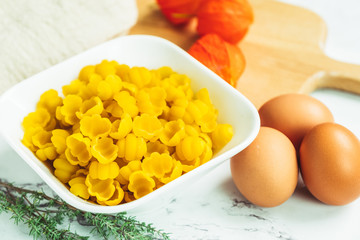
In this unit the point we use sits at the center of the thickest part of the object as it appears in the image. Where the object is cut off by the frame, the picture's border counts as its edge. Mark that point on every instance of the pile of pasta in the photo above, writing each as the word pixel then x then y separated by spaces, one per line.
pixel 118 133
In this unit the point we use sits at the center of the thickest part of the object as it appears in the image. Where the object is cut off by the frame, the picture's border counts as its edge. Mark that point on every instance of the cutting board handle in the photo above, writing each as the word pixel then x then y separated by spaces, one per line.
pixel 283 50
pixel 333 80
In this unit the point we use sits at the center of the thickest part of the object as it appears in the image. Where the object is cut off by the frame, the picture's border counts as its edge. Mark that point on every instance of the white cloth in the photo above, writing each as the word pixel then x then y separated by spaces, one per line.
pixel 37 34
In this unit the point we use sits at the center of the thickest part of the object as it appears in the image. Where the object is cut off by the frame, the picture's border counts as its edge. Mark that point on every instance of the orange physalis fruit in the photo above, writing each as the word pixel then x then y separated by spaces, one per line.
pixel 223 58
pixel 230 19
pixel 178 11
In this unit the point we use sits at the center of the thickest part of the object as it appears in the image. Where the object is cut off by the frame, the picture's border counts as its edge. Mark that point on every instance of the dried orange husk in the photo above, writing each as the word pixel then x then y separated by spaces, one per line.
pixel 178 11
pixel 230 19
pixel 223 58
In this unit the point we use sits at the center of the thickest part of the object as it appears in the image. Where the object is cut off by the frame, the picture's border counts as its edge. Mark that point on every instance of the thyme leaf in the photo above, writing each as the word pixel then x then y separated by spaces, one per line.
pixel 50 217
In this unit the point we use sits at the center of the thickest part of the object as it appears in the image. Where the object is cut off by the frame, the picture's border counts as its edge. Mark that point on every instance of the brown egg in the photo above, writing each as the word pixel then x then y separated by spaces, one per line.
pixel 294 115
pixel 330 163
pixel 266 172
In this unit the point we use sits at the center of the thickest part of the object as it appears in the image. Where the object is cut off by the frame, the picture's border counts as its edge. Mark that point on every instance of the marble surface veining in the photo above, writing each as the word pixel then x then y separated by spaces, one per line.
pixel 213 208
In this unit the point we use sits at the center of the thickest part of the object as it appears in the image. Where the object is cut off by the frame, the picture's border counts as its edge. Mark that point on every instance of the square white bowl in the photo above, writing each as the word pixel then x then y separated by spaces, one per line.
pixel 134 50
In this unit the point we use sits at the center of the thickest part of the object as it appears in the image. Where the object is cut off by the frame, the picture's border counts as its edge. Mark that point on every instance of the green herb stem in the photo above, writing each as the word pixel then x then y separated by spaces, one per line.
pixel 45 217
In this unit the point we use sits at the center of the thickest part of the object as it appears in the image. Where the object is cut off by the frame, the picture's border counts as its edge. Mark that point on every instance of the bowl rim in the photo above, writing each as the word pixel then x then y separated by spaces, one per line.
pixel 126 207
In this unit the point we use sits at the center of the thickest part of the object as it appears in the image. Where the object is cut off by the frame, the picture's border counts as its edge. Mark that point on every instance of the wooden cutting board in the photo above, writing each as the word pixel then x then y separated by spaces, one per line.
pixel 283 50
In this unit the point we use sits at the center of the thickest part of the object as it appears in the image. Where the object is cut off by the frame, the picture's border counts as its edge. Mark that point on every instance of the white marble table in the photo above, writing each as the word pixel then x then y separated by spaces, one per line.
pixel 213 208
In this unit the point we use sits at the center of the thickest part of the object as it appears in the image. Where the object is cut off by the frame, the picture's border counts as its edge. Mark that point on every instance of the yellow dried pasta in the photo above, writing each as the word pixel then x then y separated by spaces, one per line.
pixel 173 132
pixel 104 150
pixel 147 126
pixel 140 184
pixel 131 147
pixel 47 152
pixel 66 113
pixel 79 188
pixel 126 171
pixel 95 126
pixel 89 107
pixel 121 127
pixel 103 190
pixel 63 169
pixel 222 135
pixel 58 139
pixel 116 198
pixel 78 151
pixel 49 100
pixel 120 132
pixel 151 100
pixel 127 103
pixel 101 171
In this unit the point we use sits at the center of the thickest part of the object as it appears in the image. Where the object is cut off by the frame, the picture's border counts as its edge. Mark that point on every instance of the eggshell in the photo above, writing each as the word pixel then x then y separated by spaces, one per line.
pixel 330 164
pixel 294 115
pixel 266 172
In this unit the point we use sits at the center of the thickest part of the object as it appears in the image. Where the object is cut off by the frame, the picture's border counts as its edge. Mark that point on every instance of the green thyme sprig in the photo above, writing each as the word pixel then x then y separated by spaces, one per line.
pixel 46 217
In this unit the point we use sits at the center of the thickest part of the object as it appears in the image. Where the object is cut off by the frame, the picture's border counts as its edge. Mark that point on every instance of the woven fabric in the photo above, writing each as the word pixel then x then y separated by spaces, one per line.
pixel 35 35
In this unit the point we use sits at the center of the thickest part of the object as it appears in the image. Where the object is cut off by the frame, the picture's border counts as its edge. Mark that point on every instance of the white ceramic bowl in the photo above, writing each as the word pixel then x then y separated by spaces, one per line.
pixel 136 50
